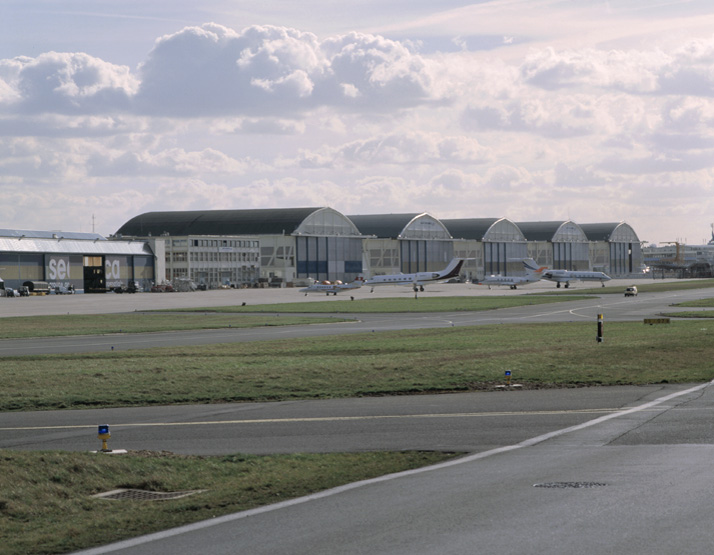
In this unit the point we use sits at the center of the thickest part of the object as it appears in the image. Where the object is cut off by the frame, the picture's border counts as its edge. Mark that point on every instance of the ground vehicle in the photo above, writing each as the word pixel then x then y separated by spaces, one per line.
pixel 631 291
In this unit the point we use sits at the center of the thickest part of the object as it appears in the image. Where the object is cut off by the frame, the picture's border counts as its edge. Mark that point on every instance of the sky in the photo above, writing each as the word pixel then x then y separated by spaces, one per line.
pixel 538 110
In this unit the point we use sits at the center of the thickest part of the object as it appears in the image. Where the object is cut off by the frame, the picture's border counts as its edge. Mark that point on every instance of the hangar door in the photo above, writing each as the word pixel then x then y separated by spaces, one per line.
pixel 424 256
pixel 328 257
pixel 94 275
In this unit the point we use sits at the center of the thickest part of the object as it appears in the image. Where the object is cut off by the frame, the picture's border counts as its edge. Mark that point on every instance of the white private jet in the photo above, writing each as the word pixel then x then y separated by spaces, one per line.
pixel 328 287
pixel 533 273
pixel 418 280
pixel 566 276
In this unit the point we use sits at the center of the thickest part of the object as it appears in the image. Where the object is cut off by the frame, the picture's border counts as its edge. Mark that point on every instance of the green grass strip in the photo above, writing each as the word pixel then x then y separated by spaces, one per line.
pixel 46 503
pixel 91 324
pixel 394 363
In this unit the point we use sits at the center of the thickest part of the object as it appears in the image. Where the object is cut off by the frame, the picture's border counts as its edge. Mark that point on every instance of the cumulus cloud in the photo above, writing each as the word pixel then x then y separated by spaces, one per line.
pixel 399 149
pixel 172 162
pixel 686 70
pixel 215 71
pixel 556 118
pixel 212 70
pixel 65 84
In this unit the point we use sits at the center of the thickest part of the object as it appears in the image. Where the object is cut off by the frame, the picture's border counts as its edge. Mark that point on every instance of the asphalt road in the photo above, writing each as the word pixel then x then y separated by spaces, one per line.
pixel 613 307
pixel 468 422
pixel 620 482
pixel 591 471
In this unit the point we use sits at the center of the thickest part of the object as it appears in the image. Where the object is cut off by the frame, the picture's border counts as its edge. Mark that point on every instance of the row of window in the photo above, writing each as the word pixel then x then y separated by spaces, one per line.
pixel 215 277
pixel 214 243
pixel 247 257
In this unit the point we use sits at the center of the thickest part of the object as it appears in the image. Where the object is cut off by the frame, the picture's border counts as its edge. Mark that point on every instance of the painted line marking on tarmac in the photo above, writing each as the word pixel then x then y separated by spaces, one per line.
pixel 158 536
pixel 318 419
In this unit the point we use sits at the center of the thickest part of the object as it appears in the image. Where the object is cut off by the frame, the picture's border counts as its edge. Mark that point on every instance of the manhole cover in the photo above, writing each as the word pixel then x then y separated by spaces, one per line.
pixel 570 485
pixel 143 495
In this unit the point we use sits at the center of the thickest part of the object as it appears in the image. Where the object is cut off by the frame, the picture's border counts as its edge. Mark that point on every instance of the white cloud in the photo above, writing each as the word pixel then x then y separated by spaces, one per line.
pixel 65 84
pixel 271 116
pixel 416 148
pixel 211 70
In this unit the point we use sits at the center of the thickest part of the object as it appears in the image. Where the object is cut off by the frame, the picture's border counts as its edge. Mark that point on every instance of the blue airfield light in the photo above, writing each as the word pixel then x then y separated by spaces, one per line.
pixel 104 435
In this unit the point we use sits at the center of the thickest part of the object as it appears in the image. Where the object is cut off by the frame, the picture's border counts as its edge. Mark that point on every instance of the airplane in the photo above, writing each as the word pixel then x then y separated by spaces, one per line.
pixel 334 288
pixel 565 276
pixel 533 273
pixel 419 279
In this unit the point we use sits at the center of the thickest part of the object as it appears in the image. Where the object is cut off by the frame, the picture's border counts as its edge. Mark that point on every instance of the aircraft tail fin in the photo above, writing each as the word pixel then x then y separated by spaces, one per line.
pixel 532 268
pixel 453 269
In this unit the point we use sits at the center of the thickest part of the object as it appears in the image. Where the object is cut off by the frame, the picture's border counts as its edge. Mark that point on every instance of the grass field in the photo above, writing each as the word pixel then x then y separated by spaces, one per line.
pixel 395 363
pixel 52 326
pixel 46 503
pixel 701 303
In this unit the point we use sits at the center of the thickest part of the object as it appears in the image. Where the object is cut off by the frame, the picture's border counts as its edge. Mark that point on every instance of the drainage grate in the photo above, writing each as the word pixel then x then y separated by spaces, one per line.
pixel 143 495
pixel 570 485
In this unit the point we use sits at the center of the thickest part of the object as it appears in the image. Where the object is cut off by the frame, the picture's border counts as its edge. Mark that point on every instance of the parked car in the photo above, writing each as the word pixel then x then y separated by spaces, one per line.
pixel 631 291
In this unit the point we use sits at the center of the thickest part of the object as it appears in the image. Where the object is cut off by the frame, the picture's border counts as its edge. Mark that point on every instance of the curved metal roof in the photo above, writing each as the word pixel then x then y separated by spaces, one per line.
pixel 565 231
pixel 470 228
pixel 271 221
pixel 385 226
pixel 613 232
pixel 539 231
pixel 401 226
pixel 492 230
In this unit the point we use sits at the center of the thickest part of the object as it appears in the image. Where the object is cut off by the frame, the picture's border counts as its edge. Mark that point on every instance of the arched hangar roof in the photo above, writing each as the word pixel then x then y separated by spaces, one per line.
pixel 618 232
pixel 493 230
pixel 401 226
pixel 270 221
pixel 566 231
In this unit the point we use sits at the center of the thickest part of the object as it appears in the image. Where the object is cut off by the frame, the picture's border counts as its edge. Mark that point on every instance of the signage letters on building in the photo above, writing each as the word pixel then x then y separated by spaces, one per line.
pixel 58 269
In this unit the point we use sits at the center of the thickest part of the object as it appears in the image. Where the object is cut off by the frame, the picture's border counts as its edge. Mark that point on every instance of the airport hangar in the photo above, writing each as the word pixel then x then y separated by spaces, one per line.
pixel 294 246
pixel 297 245
pixel 64 261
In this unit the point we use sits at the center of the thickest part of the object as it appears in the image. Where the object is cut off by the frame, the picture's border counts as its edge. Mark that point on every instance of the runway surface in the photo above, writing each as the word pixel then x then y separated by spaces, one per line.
pixel 612 484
